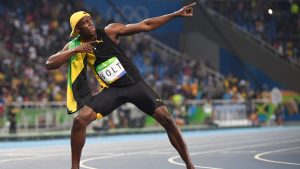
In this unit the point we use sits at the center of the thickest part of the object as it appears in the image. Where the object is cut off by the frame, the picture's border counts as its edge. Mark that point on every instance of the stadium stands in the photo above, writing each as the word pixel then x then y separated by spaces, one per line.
pixel 276 22
pixel 29 36
pixel 31 31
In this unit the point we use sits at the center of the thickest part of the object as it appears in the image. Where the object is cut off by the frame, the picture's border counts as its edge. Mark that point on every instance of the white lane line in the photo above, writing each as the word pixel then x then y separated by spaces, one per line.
pixel 124 154
pixel 159 153
pixel 59 148
pixel 172 159
pixel 36 156
pixel 108 156
pixel 82 163
pixel 20 159
pixel 240 152
pixel 259 156
pixel 97 158
pixel 153 150
pixel 18 155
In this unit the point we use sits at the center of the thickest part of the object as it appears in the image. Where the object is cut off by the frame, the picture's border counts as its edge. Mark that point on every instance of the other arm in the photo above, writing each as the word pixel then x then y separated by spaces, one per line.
pixel 115 30
pixel 58 59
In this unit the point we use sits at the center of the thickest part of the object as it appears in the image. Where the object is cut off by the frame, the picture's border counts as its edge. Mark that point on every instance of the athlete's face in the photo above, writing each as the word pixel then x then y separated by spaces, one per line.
pixel 86 27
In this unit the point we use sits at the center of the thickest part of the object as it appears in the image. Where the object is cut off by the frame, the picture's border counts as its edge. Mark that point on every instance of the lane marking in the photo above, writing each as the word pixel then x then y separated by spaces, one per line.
pixel 97 158
pixel 259 156
pixel 109 156
pixel 82 163
pixel 240 152
pixel 196 166
pixel 242 141
pixel 20 159
pixel 172 159
pixel 115 155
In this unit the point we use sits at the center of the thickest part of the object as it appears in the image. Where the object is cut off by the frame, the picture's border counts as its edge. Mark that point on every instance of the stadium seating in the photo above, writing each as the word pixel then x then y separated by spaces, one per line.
pixel 276 22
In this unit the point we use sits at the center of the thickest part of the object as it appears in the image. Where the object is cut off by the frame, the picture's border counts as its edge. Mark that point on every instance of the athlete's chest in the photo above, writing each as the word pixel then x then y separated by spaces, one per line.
pixel 107 61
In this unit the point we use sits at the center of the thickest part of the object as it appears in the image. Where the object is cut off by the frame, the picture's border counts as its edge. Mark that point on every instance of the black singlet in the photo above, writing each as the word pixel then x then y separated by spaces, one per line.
pixel 108 51
pixel 111 62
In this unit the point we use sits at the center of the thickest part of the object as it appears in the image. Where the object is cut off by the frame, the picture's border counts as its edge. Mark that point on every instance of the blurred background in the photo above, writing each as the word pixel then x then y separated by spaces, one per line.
pixel 235 63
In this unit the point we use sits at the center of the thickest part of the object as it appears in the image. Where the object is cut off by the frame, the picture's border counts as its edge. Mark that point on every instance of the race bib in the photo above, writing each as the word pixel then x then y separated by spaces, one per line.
pixel 110 70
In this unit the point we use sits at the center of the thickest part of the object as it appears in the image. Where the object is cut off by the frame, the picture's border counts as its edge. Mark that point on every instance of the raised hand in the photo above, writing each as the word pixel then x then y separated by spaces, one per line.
pixel 186 10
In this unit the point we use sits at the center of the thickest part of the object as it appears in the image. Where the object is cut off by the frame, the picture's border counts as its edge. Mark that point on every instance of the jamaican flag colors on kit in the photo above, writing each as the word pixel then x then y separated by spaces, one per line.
pixel 110 66
pixel 78 91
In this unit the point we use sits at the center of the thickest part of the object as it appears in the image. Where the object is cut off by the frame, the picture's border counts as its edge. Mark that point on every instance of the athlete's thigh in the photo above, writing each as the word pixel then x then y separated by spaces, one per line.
pixel 106 101
pixel 145 98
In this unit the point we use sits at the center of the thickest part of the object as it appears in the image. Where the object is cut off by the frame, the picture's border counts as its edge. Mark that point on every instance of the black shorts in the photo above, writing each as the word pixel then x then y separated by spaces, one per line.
pixel 139 94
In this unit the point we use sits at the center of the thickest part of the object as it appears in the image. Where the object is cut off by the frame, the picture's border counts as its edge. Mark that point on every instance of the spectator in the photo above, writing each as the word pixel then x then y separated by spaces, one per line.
pixel 12 120
pixel 279 115
pixel 280 28
pixel 31 30
pixel 1 110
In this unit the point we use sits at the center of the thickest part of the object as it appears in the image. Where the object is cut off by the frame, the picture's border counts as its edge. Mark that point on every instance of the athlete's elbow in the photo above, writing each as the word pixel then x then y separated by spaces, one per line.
pixel 50 66
pixel 148 29
pixel 147 26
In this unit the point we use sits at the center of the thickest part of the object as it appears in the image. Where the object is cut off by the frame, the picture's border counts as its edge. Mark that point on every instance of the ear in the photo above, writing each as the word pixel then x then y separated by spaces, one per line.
pixel 77 30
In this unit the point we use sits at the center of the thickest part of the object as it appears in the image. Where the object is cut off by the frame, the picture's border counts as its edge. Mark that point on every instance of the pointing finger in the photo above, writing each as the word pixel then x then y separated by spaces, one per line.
pixel 90 50
pixel 92 42
pixel 192 4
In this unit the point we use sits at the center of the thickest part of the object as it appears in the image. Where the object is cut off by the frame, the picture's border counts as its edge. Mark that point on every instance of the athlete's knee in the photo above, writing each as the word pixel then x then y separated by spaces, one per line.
pixel 85 117
pixel 78 122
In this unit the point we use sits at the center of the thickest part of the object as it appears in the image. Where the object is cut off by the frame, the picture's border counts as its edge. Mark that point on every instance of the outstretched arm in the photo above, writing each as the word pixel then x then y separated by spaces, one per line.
pixel 115 30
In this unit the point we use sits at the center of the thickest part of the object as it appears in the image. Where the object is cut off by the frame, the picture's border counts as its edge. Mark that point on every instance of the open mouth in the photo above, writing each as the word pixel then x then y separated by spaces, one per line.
pixel 92 30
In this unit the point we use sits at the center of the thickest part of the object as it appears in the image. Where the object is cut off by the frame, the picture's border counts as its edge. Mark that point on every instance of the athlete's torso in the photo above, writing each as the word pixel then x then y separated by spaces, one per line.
pixel 111 64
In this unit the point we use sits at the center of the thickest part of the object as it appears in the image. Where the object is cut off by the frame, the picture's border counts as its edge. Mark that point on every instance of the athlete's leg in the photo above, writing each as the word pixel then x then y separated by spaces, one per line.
pixel 162 115
pixel 143 96
pixel 78 133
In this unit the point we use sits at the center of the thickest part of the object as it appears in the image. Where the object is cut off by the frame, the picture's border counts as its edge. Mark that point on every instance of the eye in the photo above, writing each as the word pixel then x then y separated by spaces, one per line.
pixel 86 21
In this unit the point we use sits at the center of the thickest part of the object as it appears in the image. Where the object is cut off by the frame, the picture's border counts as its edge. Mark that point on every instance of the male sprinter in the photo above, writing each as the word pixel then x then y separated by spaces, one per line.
pixel 115 72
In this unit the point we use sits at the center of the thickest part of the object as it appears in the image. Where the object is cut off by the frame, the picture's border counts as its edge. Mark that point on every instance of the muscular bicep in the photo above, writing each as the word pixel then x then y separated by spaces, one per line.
pixel 118 29
pixel 134 28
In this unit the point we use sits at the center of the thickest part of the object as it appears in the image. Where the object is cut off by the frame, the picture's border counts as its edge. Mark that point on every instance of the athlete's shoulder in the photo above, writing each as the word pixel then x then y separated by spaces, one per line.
pixel 74 42
pixel 114 28
pixel 75 39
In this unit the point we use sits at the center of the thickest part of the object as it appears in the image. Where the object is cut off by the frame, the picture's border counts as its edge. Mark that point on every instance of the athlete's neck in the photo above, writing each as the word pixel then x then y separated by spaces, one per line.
pixel 88 38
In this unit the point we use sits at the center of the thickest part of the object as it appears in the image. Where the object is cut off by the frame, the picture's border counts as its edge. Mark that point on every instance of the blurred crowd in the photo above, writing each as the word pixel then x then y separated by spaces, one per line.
pixel 276 22
pixel 30 31
pixel 33 30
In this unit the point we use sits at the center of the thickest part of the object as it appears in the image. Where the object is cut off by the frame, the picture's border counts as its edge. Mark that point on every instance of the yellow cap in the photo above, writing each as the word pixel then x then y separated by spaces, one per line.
pixel 74 19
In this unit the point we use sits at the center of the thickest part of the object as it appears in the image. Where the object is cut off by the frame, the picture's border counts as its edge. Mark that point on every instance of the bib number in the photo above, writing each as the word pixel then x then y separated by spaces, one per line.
pixel 110 70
